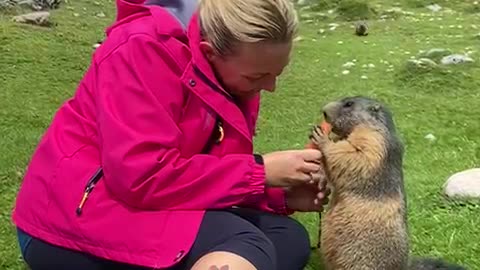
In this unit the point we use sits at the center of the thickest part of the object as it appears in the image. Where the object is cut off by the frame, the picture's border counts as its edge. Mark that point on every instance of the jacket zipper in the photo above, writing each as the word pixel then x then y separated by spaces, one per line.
pixel 88 189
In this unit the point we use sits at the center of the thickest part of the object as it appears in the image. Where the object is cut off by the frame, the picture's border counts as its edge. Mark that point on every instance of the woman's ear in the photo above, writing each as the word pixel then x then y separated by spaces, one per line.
pixel 207 50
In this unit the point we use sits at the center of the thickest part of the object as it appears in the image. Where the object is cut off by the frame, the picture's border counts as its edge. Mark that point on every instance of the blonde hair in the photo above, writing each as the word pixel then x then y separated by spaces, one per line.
pixel 225 23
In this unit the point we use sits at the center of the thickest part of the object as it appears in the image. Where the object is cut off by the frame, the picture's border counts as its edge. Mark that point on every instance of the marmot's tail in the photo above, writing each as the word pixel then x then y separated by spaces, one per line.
pixel 433 264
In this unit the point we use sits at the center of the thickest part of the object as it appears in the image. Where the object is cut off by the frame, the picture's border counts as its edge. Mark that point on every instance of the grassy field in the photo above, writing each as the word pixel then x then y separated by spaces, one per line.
pixel 40 68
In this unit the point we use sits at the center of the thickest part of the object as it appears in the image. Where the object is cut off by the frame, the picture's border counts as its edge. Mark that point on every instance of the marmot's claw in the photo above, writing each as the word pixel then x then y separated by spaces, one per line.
pixel 317 136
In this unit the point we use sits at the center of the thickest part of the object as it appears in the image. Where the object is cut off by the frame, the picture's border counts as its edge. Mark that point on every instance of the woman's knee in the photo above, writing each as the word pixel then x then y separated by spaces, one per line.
pixel 221 260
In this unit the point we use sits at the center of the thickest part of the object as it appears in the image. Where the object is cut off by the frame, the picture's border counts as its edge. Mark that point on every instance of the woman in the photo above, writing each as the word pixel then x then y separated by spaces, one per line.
pixel 151 164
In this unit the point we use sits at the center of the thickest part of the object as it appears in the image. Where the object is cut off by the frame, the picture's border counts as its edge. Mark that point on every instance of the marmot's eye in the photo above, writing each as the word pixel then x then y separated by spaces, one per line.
pixel 348 104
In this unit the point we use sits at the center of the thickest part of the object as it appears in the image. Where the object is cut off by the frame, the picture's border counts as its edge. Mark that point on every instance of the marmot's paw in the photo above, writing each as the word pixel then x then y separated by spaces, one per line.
pixel 317 136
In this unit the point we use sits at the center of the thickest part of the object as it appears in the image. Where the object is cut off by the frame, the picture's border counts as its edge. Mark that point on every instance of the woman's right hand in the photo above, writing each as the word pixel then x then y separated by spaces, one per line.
pixel 293 167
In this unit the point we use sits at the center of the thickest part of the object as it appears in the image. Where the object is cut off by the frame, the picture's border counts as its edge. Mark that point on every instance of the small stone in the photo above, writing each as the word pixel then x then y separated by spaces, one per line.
pixel 299 38
pixel 465 184
pixel 434 7
pixel 100 15
pixel 364 77
pixel 340 42
pixel 371 65
pixel 430 137
pixel 345 72
pixel 349 64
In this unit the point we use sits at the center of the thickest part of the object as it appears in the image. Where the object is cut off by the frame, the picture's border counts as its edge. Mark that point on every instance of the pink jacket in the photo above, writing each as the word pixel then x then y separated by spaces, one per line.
pixel 144 112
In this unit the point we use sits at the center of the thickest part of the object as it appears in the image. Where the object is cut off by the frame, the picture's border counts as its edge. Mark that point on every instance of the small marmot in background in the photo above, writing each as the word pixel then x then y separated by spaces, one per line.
pixel 361 28
pixel 365 225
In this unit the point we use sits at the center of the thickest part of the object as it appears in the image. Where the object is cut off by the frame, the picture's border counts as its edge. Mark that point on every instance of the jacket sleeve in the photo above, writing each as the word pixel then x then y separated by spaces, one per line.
pixel 138 99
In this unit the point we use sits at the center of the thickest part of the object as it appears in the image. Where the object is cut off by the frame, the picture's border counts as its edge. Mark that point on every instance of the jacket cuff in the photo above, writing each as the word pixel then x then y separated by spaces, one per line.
pixel 276 198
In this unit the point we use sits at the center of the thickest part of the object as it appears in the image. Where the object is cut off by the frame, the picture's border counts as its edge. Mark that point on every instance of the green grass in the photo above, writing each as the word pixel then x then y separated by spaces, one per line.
pixel 40 68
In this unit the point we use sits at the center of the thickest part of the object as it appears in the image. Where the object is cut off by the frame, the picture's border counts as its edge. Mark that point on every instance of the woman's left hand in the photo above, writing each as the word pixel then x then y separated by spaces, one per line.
pixel 308 197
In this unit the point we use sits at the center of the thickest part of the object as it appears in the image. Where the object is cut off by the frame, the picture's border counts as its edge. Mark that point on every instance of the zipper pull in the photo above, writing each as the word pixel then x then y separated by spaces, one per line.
pixel 90 185
pixel 221 132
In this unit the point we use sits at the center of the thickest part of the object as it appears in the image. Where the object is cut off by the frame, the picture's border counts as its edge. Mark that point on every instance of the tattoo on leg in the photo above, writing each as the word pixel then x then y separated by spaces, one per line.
pixel 223 267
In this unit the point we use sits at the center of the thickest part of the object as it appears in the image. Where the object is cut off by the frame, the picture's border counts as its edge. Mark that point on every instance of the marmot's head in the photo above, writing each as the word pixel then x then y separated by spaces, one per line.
pixel 345 114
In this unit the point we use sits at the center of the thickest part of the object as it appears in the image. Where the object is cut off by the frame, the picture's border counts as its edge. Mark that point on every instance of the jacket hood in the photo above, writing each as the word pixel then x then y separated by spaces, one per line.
pixel 126 8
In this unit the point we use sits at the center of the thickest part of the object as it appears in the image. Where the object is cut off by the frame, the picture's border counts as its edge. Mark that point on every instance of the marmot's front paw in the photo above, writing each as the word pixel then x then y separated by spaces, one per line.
pixel 317 136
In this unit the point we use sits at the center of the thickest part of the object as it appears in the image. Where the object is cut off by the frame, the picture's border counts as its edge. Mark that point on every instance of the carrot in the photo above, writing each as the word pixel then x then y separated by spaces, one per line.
pixel 326 127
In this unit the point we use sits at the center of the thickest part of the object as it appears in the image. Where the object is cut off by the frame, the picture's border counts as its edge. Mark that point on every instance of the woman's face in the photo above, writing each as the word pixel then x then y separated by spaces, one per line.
pixel 251 68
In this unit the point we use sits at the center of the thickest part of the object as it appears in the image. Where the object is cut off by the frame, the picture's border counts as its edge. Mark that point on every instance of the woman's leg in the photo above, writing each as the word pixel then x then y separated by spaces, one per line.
pixel 290 238
pixel 42 256
pixel 227 240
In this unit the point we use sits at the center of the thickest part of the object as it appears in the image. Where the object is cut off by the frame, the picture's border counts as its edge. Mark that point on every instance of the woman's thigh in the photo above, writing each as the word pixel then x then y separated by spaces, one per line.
pixel 224 231
pixel 267 240
pixel 289 237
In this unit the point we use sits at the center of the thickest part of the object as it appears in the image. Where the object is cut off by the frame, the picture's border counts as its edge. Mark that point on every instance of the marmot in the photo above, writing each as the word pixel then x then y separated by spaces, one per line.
pixel 361 28
pixel 365 224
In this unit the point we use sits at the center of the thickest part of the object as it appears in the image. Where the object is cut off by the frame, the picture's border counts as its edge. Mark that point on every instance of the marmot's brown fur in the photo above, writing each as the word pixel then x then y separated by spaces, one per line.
pixel 365 224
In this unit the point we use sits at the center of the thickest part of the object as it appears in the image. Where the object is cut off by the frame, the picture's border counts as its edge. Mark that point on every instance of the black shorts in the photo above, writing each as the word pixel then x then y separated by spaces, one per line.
pixel 268 241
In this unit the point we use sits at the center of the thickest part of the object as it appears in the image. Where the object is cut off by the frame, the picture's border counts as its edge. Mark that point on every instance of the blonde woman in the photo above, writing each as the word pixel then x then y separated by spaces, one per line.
pixel 150 165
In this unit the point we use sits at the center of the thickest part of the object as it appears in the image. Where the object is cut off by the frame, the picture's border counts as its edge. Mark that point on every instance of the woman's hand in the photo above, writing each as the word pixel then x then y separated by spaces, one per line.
pixel 308 197
pixel 292 167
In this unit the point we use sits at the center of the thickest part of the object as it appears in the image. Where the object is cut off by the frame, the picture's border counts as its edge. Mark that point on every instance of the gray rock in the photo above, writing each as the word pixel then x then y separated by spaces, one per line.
pixel 40 18
pixel 435 54
pixel 421 64
pixel 36 5
pixel 465 184
pixel 456 59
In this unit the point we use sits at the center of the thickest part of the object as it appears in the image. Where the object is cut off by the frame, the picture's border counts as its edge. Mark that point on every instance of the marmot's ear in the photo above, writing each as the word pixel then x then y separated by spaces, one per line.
pixel 375 107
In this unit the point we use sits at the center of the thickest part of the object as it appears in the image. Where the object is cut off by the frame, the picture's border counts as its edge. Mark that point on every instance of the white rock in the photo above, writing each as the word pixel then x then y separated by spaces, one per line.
pixel 371 65
pixel 364 77
pixel 434 7
pixel 340 42
pixel 465 184
pixel 345 72
pixel 430 137
pixel 349 64
pixel 298 38
pixel 456 59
